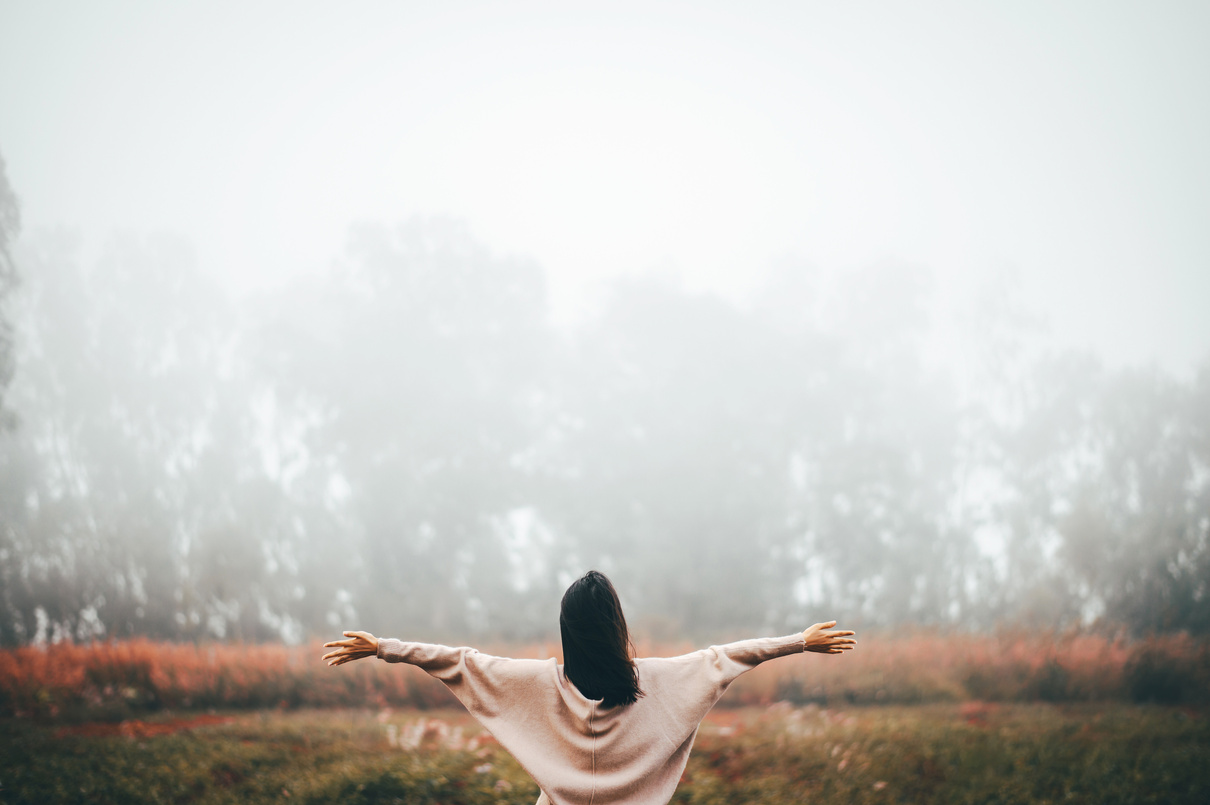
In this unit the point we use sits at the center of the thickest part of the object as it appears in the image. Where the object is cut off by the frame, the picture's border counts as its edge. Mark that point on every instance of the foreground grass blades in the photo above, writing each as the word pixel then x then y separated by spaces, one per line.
pixel 975 753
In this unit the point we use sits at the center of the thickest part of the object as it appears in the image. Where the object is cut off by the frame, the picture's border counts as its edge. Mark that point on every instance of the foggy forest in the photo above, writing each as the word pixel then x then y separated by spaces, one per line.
pixel 407 440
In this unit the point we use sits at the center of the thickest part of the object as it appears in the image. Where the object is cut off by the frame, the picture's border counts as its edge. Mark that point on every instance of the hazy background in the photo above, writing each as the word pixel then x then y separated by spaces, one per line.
pixel 401 317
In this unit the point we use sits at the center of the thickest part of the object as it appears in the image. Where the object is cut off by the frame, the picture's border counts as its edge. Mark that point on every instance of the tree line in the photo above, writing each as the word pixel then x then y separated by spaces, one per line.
pixel 407 443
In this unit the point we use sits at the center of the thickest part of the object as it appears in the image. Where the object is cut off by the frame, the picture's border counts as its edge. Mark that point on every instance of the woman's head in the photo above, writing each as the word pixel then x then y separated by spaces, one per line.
pixel 596 644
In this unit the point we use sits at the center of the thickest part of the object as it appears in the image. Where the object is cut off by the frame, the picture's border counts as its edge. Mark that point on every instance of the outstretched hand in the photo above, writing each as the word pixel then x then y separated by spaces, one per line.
pixel 820 639
pixel 358 646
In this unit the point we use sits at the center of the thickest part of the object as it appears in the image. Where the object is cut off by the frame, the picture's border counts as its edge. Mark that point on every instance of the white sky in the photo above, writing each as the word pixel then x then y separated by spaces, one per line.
pixel 1066 141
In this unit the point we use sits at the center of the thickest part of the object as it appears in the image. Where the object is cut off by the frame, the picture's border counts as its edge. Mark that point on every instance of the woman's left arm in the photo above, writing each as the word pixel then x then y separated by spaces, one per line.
pixel 744 655
pixel 823 639
pixel 442 662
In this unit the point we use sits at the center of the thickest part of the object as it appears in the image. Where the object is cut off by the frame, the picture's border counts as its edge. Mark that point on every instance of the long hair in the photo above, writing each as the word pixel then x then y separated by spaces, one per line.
pixel 597 649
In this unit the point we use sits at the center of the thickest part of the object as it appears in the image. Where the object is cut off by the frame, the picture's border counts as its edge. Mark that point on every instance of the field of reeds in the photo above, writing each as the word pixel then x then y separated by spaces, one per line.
pixel 116 680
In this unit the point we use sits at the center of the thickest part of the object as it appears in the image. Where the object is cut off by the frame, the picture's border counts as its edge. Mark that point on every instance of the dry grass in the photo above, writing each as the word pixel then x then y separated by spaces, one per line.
pixel 959 753
pixel 116 679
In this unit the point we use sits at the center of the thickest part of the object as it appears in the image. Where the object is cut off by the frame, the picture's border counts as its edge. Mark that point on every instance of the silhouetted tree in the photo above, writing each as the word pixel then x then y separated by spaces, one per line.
pixel 1110 511
pixel 125 408
pixel 407 379
pixel 10 227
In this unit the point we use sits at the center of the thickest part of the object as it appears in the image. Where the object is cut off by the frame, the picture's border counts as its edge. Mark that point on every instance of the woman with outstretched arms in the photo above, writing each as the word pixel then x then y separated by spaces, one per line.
pixel 604 727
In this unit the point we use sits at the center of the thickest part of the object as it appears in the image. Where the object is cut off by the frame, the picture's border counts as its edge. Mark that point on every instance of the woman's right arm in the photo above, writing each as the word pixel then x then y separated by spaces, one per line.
pixel 487 685
pixel 356 646
pixel 429 656
pixel 726 662
pixel 820 638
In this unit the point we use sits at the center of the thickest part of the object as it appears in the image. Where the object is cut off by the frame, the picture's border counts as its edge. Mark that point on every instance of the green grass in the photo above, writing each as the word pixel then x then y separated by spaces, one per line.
pixel 935 753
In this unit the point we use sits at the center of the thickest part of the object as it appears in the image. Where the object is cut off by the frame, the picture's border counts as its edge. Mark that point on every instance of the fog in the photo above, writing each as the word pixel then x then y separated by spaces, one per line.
pixel 383 315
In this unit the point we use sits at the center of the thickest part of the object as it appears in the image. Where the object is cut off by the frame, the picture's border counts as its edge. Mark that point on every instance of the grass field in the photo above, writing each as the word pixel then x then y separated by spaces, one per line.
pixel 968 752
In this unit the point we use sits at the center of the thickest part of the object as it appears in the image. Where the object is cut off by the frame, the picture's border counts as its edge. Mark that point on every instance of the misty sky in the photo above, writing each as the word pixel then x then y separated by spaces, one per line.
pixel 1065 142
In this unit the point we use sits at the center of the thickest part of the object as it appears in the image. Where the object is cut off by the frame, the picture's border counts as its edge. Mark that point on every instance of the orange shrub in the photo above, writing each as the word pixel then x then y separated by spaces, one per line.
pixel 118 677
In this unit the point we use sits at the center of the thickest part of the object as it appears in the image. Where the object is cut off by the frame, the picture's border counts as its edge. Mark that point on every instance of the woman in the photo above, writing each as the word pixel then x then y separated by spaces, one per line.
pixel 603 727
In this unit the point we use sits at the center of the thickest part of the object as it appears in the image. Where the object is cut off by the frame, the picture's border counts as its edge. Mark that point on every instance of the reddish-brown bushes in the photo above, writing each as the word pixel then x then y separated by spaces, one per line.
pixel 142 674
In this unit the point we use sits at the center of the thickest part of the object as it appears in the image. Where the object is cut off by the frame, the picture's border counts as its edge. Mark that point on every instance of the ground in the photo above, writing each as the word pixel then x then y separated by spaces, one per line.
pixel 972 752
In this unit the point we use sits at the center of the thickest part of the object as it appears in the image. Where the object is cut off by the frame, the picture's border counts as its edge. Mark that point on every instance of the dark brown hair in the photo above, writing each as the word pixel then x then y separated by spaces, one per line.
pixel 597 649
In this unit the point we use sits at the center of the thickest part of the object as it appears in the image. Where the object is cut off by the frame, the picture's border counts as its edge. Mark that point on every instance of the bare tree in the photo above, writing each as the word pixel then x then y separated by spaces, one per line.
pixel 10 227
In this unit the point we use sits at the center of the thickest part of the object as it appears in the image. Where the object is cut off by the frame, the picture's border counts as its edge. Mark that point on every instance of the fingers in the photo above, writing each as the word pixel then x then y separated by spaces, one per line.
pixel 353 638
pixel 822 633
pixel 821 627
pixel 829 642
pixel 830 648
pixel 343 649
pixel 357 646
pixel 341 656
pixel 356 640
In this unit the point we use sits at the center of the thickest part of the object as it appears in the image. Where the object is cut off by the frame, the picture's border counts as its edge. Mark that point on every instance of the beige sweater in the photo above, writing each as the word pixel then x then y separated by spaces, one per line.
pixel 575 749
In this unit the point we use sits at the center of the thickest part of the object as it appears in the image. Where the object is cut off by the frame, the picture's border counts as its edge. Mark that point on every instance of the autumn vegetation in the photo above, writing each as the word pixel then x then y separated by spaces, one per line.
pixel 117 679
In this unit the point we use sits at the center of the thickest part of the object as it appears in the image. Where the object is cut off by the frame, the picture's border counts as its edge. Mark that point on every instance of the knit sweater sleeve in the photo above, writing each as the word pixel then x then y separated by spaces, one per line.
pixel 744 655
pixel 721 665
pixel 488 686
pixel 426 656
pixel 692 683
